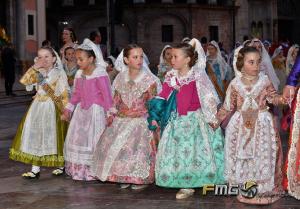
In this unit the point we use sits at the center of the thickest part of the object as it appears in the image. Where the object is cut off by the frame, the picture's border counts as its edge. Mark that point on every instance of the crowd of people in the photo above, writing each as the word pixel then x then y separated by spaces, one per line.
pixel 206 119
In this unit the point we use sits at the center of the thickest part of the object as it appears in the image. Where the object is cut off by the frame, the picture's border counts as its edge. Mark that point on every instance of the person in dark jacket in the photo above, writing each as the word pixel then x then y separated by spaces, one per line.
pixel 8 64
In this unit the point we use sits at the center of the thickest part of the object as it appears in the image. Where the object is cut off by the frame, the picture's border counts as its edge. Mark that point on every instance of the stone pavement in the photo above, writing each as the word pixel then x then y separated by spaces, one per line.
pixel 51 192
pixel 22 96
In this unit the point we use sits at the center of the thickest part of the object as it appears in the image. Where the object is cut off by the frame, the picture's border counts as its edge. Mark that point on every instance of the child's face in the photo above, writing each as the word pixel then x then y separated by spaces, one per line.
pixel 252 63
pixel 179 60
pixel 212 51
pixel 168 55
pixel 134 59
pixel 70 55
pixel 46 58
pixel 83 61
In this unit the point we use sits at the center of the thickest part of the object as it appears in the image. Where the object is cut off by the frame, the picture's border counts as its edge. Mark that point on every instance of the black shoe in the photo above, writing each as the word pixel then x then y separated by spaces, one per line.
pixel 31 175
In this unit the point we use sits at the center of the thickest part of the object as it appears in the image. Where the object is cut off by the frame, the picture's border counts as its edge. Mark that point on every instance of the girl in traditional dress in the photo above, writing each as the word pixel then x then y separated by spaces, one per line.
pixel 292 167
pixel 291 58
pixel 190 152
pixel 266 66
pixel 252 144
pixel 278 62
pixel 70 65
pixel 217 69
pixel 164 62
pixel 41 133
pixel 69 40
pixel 126 150
pixel 90 100
pixel 111 70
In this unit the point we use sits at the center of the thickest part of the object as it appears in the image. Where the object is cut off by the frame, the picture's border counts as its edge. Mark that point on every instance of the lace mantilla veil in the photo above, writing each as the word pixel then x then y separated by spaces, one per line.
pixel 207 94
pixel 121 67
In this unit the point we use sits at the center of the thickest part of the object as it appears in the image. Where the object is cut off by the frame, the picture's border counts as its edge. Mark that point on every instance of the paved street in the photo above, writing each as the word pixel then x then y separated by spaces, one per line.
pixel 63 193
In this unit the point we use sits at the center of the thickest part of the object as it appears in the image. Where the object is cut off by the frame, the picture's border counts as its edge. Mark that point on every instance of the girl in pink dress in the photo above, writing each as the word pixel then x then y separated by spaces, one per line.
pixel 125 152
pixel 90 100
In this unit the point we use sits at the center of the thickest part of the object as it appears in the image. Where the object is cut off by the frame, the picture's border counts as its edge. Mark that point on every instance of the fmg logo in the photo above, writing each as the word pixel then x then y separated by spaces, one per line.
pixel 248 190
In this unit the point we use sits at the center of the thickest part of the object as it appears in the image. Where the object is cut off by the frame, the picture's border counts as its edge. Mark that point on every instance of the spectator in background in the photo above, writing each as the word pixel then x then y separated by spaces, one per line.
pixel 267 45
pixel 95 36
pixel 8 62
pixel 110 69
pixel 69 40
pixel 203 41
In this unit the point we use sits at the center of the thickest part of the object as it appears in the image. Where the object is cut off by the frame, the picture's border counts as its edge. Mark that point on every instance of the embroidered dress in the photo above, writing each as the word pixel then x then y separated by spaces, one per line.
pixel 292 166
pixel 40 136
pixel 190 152
pixel 252 143
pixel 126 151
pixel 70 73
pixel 91 99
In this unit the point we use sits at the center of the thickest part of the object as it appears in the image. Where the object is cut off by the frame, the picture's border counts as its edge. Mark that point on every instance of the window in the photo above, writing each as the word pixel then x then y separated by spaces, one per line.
pixel 30 24
pixel 214 33
pixel 260 29
pixel 167 33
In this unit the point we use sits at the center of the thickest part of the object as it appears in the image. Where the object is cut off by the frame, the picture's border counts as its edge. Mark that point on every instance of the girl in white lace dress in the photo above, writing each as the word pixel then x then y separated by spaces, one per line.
pixel 252 143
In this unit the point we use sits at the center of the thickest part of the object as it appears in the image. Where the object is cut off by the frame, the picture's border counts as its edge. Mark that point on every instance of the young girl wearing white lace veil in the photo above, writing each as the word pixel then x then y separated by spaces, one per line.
pixel 291 57
pixel 70 65
pixel 90 100
pixel 164 62
pixel 219 72
pixel 41 133
pixel 278 62
pixel 126 151
pixel 266 63
pixel 190 152
pixel 252 144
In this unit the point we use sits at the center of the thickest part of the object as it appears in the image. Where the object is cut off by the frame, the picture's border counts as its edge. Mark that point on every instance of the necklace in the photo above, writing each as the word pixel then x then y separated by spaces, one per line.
pixel 249 79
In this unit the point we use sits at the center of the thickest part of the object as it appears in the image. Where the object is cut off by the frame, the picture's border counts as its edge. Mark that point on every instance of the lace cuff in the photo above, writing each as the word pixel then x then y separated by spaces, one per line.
pixel 70 107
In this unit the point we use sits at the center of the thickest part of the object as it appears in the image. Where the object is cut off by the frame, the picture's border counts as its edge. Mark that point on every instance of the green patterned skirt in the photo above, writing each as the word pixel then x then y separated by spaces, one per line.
pixel 56 160
pixel 190 154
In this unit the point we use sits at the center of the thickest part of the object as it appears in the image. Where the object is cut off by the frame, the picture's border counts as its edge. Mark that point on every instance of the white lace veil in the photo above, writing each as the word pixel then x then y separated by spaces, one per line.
pixel 58 63
pixel 112 59
pixel 161 57
pixel 225 68
pixel 277 52
pixel 63 82
pixel 235 56
pixel 266 64
pixel 201 63
pixel 121 66
pixel 289 59
pixel 207 94
pixel 89 45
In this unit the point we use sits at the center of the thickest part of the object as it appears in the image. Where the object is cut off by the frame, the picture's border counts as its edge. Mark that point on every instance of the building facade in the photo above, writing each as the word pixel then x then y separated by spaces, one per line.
pixel 150 23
